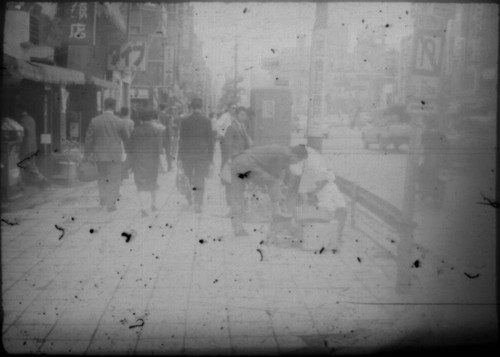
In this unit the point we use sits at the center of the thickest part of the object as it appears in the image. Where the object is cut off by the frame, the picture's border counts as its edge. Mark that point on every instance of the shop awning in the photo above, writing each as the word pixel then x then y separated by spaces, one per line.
pixel 102 83
pixel 43 72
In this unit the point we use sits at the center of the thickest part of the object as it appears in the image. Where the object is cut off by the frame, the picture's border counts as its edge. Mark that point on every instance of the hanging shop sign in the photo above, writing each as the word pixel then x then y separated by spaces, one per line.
pixel 129 57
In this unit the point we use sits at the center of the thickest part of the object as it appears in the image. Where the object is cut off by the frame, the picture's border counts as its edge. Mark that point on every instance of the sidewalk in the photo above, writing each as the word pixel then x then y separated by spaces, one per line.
pixel 184 284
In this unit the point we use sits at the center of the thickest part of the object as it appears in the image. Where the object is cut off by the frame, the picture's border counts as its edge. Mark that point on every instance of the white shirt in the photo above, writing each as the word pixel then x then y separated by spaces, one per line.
pixel 313 170
pixel 223 123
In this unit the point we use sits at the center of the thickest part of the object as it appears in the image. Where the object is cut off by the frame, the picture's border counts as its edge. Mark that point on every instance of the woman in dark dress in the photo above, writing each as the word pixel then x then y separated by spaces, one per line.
pixel 145 148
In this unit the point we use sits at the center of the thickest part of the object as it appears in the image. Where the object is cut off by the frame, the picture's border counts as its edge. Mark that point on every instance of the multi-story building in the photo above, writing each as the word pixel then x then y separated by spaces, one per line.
pixel 403 76
pixel 472 44
pixel 56 67
pixel 175 69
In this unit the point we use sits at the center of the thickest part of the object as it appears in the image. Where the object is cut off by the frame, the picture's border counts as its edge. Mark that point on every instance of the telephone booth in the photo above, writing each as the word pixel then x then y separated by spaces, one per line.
pixel 273 115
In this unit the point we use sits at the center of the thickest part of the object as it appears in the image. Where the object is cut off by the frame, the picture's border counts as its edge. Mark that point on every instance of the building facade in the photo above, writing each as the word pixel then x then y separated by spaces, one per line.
pixel 56 67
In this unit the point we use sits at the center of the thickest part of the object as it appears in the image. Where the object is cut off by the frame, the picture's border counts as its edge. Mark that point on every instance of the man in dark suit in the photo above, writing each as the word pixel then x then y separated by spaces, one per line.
pixel 196 146
pixel 106 137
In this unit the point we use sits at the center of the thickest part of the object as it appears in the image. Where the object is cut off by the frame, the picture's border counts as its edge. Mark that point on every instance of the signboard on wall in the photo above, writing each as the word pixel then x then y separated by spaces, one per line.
pixel 80 23
pixel 428 52
pixel 131 56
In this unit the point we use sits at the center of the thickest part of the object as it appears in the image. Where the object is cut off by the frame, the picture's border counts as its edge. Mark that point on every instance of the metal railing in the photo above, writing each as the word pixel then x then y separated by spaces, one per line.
pixel 374 210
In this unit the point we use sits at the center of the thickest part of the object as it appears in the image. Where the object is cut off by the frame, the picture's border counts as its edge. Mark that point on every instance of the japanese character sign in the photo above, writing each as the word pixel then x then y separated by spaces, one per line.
pixel 80 23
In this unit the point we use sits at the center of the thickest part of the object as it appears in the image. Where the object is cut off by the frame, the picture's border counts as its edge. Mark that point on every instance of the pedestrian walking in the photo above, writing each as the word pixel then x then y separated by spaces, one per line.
pixel 196 146
pixel 177 117
pixel 235 141
pixel 156 122
pixel 221 125
pixel 166 120
pixel 125 115
pixel 29 151
pixel 144 151
pixel 266 166
pixel 129 124
pixel 105 139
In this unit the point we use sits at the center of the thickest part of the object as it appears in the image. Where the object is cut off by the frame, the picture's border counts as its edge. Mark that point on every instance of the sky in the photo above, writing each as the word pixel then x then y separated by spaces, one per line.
pixel 262 29
pixel 258 29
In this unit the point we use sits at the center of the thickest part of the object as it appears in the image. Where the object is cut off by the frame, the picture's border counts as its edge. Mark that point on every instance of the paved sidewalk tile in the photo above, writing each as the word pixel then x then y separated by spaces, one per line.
pixel 177 282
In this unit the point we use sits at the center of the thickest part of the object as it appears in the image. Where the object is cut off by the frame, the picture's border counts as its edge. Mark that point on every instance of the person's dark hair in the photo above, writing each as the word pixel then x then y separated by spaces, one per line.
pixel 124 111
pixel 196 103
pixel 300 151
pixel 109 103
pixel 146 115
pixel 162 106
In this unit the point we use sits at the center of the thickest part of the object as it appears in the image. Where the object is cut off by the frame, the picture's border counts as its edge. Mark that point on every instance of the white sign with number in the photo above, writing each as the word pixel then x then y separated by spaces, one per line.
pixel 428 52
pixel 131 56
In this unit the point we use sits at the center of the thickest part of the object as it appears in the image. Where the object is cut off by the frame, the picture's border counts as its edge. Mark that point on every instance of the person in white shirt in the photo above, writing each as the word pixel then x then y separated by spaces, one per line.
pixel 222 124
pixel 317 187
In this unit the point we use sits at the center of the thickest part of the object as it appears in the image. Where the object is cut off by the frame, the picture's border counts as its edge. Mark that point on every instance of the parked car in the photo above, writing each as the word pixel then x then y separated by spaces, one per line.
pixel 390 126
pixel 472 140
pixel 361 119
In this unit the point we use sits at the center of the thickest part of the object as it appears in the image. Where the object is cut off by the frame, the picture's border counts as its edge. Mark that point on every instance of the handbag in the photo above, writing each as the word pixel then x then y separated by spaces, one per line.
pixel 87 171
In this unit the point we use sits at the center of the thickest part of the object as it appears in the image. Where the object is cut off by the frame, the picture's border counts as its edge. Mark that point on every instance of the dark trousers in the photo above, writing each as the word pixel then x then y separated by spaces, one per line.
pixel 240 175
pixel 110 176
pixel 126 166
pixel 196 171
pixel 168 153
pixel 31 174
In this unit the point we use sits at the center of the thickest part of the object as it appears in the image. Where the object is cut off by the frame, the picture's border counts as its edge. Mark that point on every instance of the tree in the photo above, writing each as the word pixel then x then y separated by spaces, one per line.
pixel 231 93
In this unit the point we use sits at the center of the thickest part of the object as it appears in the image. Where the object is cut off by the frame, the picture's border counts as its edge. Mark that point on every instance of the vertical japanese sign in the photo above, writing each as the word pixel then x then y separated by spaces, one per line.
pixel 169 65
pixel 80 23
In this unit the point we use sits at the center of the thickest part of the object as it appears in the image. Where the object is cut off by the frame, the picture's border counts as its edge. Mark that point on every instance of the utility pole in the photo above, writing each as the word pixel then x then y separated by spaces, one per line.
pixel 315 107
pixel 235 69
pixel 423 102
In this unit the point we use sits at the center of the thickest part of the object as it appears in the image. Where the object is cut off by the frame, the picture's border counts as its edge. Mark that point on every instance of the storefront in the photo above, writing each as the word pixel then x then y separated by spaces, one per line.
pixel 62 101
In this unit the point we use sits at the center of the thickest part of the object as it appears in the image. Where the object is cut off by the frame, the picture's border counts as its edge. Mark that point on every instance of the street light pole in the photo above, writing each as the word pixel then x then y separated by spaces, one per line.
pixel 235 69
pixel 316 74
